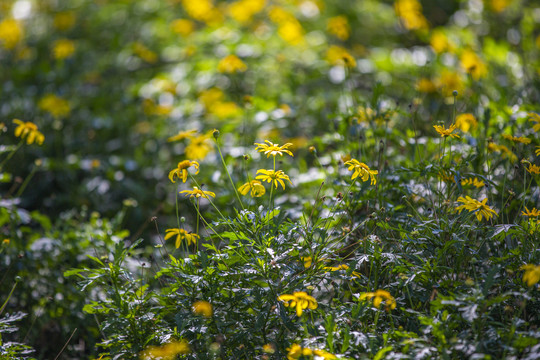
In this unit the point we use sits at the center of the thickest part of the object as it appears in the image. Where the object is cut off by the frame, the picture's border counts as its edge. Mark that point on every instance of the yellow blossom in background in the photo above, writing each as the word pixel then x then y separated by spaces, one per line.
pixel 439 42
pixel 64 20
pixel 535 119
pixel 531 275
pixel 425 85
pixel 308 260
pixel 449 81
pixel 473 65
pixel 446 132
pixel 11 33
pixel 213 101
pixel 182 135
pixel 447 176
pixel 55 105
pixel 165 352
pixel 534 212
pixel 275 177
pixel 183 27
pixel 63 48
pixel 481 209
pixel 474 182
pixel 296 352
pixel 203 308
pixel 203 10
pixel 28 130
pixel 378 297
pixel 341 267
pixel 181 170
pixel 231 64
pixel 289 28
pixel 365 114
pixel 498 5
pixel 537 151
pixel 145 53
pixel 198 193
pixel 339 27
pixel 273 149
pixel 6 242
pixel 466 122
pixel 268 348
pixel 255 188
pixel 181 234
pixel 519 139
pixel 244 10
pixel 506 153
pixel 336 55
pixel 199 147
pixel 362 171
pixel 299 300
pixel 410 12
pixel 533 169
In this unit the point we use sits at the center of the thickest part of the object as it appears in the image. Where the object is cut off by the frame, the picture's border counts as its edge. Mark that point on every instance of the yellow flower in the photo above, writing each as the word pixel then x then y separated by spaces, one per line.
pixel 231 64
pixel 165 352
pixel 64 20
pixel 276 177
pixel 257 189
pixel 473 64
pixel 533 212
pixel 339 26
pixel 532 274
pixel 295 352
pixel 183 27
pixel 63 48
pixel 29 130
pixel 199 147
pixel 425 85
pixel 439 42
pixel 198 193
pixel 292 32
pixel 519 139
pixel 203 10
pixel 54 105
pixel 308 260
pixel 378 297
pixel 533 169
pixel 492 147
pixel 410 12
pixel 203 308
pixel 299 300
pixel 361 170
pixel 181 234
pixel 182 135
pixel 144 53
pixel 243 10
pixel 537 151
pixel 336 55
pixel 181 170
pixel 535 118
pixel 340 267
pixel 11 33
pixel 273 149
pixel 449 81
pixel 475 182
pixel 473 205
pixel 499 5
pixel 268 348
pixel 6 242
pixel 465 122
pixel 446 132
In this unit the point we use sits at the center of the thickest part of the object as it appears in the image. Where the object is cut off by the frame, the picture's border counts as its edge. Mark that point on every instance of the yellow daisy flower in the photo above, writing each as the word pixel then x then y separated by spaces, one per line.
pixel 480 208
pixel 181 234
pixel 275 177
pixel 198 193
pixel 532 274
pixel 299 300
pixel 29 130
pixel 203 308
pixel 182 135
pixel 446 132
pixel 378 297
pixel 256 187
pixel 273 149
pixel 181 170
pixel 534 212
pixel 362 171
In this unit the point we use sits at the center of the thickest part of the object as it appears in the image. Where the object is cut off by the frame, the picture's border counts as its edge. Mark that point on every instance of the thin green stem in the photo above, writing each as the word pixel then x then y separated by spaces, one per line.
pixel 228 174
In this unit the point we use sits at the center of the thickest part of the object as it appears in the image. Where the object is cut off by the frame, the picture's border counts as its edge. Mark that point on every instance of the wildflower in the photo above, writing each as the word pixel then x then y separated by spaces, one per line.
pixel 361 170
pixel 181 234
pixel 499 5
pixel 275 177
pixel 297 352
pixel 11 33
pixel 506 153
pixel 534 212
pixel 533 169
pixel 268 348
pixel 535 118
pixel 29 130
pixel 439 42
pixel 203 10
pixel 336 55
pixel 480 208
pixel 273 149
pixel 6 242
pixel 446 132
pixel 181 170
pixel 475 182
pixel 243 10
pixel 54 105
pixel 291 31
pixel 231 64
pixel 299 300
pixel 340 267
pixel 447 176
pixel 339 27
pixel 472 64
pixel 63 48
pixel 145 53
pixel 183 27
pixel 199 147
pixel 182 135
pixel 308 260
pixel 203 308
pixel 425 85
pixel 450 81
pixel 465 122
pixel 64 20
pixel 520 139
pixel 198 193
pixel 532 274
pixel 378 297
pixel 410 12
pixel 256 187
pixel 165 352
pixel 537 151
